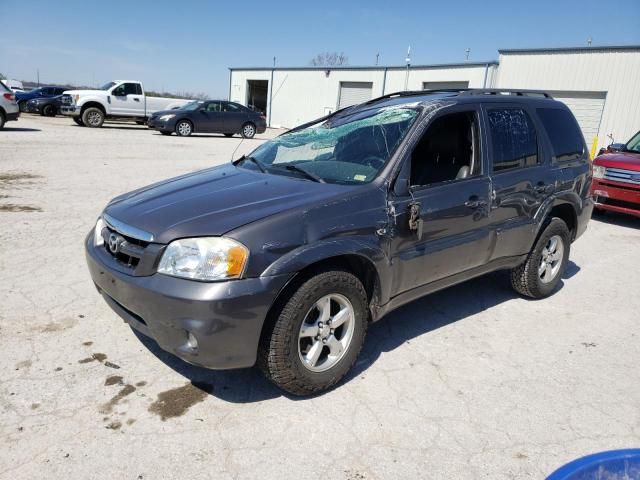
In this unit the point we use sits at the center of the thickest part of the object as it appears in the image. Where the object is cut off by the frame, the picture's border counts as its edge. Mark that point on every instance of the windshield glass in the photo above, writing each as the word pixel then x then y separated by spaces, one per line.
pixel 633 145
pixel 191 106
pixel 347 150
pixel 107 85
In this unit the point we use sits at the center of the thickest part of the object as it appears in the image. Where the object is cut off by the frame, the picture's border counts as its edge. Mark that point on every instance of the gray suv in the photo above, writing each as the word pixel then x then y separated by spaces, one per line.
pixel 283 257
pixel 8 107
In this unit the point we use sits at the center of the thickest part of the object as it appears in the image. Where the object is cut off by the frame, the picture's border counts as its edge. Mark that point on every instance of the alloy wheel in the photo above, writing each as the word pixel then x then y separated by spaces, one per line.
pixel 551 261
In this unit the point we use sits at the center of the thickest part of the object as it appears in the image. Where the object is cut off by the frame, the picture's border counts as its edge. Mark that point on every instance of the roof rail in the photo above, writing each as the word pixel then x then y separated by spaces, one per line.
pixel 505 91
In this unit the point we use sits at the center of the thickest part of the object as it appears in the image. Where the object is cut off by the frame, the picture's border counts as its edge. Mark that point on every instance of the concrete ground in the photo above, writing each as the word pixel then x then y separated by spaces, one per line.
pixel 472 382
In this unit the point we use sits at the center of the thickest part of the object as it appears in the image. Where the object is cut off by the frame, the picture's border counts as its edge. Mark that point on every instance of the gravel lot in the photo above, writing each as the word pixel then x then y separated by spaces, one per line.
pixel 472 382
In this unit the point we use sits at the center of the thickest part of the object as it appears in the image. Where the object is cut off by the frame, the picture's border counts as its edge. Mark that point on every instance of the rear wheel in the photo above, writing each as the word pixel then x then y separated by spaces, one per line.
pixel 184 128
pixel 93 117
pixel 541 272
pixel 49 111
pixel 317 335
pixel 248 130
pixel 78 121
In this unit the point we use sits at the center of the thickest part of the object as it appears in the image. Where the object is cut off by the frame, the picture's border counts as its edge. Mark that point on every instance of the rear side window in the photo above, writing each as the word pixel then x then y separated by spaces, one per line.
pixel 564 133
pixel 513 139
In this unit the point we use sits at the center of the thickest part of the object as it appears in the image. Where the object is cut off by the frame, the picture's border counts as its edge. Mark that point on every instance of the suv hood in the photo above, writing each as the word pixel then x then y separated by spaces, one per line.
pixel 625 160
pixel 214 201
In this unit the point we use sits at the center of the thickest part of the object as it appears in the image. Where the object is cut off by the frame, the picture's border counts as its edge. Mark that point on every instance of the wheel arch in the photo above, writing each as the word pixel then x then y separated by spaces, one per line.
pixel 563 208
pixel 93 104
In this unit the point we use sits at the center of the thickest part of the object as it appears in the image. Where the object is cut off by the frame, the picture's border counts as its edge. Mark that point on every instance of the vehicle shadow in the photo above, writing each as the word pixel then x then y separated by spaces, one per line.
pixel 615 218
pixel 399 327
pixel 20 129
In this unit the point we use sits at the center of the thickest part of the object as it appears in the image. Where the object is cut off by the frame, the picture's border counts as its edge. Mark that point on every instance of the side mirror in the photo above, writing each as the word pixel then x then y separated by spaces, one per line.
pixel 616 147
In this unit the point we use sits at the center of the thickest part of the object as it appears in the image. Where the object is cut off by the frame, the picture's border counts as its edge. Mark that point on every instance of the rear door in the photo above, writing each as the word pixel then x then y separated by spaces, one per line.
pixel 127 100
pixel 520 176
pixel 234 117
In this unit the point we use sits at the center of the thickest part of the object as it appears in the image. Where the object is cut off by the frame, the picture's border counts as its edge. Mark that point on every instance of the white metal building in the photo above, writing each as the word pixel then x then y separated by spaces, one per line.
pixel 601 85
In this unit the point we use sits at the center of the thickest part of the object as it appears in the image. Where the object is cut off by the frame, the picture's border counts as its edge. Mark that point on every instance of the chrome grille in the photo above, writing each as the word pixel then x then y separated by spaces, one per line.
pixel 622 175
pixel 66 99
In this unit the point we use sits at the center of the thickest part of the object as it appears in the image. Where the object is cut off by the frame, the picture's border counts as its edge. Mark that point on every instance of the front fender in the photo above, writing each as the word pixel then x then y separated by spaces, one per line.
pixel 93 99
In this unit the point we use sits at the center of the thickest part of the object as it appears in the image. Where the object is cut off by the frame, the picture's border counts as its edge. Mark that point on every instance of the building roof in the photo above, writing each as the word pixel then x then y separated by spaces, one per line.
pixel 374 67
pixel 569 49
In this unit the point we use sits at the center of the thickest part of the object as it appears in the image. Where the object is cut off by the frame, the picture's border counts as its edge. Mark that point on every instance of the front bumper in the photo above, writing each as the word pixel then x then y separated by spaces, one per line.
pixel 71 110
pixel 164 126
pixel 226 318
pixel 619 197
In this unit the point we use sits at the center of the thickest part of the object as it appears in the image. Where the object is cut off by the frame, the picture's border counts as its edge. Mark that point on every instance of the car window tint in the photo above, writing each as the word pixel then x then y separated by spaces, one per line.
pixel 513 139
pixel 564 133
pixel 213 107
pixel 229 107
pixel 131 88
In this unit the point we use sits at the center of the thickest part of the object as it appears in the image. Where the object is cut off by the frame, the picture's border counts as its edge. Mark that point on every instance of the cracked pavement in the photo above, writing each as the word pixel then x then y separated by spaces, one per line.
pixel 471 382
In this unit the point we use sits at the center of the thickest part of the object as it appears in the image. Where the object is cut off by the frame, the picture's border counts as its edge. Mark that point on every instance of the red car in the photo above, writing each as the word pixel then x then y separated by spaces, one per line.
pixel 616 178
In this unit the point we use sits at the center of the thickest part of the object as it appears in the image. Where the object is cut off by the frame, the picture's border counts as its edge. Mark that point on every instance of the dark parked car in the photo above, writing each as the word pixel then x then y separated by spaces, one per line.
pixel 49 107
pixel 42 92
pixel 212 116
pixel 284 256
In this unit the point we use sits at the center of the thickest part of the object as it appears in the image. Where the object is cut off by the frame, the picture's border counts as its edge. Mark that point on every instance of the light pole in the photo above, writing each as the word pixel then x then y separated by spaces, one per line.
pixel 408 60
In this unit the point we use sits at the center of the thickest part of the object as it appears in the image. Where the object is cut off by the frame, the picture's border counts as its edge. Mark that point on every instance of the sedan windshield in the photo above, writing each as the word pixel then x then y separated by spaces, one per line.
pixel 633 145
pixel 191 106
pixel 107 85
pixel 349 149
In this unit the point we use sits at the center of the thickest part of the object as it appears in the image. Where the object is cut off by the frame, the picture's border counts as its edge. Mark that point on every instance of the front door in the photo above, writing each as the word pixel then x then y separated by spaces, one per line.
pixel 127 99
pixel 449 199
pixel 210 119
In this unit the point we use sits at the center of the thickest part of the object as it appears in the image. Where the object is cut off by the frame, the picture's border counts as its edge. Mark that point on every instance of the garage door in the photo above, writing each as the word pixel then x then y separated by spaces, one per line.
pixel 444 85
pixel 587 107
pixel 352 93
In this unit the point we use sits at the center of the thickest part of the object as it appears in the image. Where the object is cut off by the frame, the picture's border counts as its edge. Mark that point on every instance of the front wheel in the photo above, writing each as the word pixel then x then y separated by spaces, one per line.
pixel 318 334
pixel 248 130
pixel 49 111
pixel 93 117
pixel 184 128
pixel 541 272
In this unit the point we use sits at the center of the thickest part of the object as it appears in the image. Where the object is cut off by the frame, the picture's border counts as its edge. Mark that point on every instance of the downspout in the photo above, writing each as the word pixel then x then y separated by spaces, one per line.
pixel 384 80
pixel 270 100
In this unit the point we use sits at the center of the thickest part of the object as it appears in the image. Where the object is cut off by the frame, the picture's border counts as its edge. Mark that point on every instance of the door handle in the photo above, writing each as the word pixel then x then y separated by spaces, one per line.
pixel 475 202
pixel 136 99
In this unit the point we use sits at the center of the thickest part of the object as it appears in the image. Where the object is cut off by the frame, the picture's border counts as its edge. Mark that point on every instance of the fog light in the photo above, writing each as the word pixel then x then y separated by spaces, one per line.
pixel 192 342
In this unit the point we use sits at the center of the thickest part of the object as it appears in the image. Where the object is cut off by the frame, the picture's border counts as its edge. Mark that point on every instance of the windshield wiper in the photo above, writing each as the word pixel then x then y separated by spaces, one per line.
pixel 257 162
pixel 305 172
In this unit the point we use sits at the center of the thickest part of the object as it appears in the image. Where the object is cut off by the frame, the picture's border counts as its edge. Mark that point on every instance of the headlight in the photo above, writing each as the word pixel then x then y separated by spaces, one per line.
pixel 599 171
pixel 97 232
pixel 75 98
pixel 206 258
pixel 164 118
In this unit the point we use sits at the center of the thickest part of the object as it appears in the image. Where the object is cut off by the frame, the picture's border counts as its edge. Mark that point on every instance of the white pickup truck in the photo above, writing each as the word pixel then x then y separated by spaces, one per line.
pixel 120 99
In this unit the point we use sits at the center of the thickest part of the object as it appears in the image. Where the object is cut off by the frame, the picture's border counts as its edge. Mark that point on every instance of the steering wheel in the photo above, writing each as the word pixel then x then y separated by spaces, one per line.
pixel 373 161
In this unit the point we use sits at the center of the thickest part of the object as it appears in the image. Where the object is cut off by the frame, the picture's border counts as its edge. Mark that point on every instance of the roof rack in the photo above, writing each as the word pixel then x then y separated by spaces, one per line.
pixel 505 91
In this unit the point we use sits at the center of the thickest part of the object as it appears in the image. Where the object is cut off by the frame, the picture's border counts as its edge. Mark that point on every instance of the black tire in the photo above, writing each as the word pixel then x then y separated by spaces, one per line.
pixel 228 135
pixel 525 279
pixel 22 106
pixel 78 121
pixel 93 117
pixel 49 111
pixel 278 355
pixel 248 130
pixel 165 133
pixel 2 120
pixel 184 128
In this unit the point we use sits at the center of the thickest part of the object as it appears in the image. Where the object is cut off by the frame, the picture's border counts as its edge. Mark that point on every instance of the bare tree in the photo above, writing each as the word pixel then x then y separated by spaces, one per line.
pixel 329 59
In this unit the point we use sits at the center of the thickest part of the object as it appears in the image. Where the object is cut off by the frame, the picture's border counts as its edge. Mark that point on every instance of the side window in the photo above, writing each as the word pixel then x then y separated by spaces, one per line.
pixel 213 107
pixel 138 89
pixel 564 133
pixel 118 91
pixel 47 91
pixel 58 91
pixel 513 138
pixel 131 88
pixel 229 107
pixel 448 150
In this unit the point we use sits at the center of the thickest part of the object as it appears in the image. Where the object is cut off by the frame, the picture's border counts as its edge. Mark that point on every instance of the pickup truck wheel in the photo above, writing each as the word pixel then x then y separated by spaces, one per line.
pixel 541 272
pixel 317 334
pixel 184 128
pixel 78 121
pixel 248 130
pixel 49 111
pixel 93 117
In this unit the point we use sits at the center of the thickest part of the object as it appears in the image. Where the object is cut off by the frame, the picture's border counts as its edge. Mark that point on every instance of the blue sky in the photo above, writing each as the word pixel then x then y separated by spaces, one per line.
pixel 188 45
